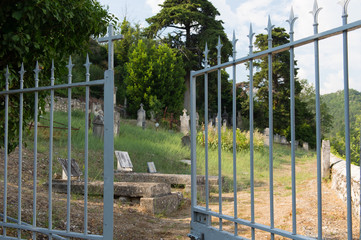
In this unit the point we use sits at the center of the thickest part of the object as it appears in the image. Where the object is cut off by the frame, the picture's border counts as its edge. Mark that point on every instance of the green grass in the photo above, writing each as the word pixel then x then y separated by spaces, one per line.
pixel 162 147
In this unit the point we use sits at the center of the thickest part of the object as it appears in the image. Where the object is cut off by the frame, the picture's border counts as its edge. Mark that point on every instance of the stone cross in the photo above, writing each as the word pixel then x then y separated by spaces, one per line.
pixel 110 38
pixel 141 116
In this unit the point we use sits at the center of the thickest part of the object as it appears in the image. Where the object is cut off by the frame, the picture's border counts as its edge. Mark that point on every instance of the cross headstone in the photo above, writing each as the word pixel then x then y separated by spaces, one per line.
pixel 98 126
pixel 75 170
pixel 151 167
pixel 141 116
pixel 110 39
pixel 184 119
pixel 124 164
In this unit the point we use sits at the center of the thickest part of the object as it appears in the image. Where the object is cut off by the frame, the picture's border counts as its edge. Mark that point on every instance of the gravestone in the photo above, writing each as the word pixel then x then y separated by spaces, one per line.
pixel 325 159
pixel 277 138
pixel 225 116
pixel 151 167
pixel 266 137
pixel 184 119
pixel 284 140
pixel 124 164
pixel 224 126
pixel 98 126
pixel 97 109
pixel 305 146
pixel 75 170
pixel 186 141
pixel 141 117
pixel 152 116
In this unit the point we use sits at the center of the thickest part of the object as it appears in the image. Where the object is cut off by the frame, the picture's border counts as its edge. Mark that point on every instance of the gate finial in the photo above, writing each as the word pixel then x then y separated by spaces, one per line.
pixel 344 4
pixel 219 46
pixel 70 67
pixel 269 30
pixel 206 51
pixel 291 21
pixel 110 39
pixel 36 71
pixel 22 72
pixel 7 75
pixel 234 41
pixel 316 10
pixel 52 77
pixel 87 65
pixel 250 36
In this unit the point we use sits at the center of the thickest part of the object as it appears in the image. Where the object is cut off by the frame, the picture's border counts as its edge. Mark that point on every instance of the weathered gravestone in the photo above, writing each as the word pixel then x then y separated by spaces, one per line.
pixel 184 119
pixel 284 140
pixel 266 137
pixel 98 126
pixel 124 164
pixel 277 138
pixel 151 167
pixel 225 116
pixel 74 171
pixel 141 117
pixel 224 126
pixel 305 146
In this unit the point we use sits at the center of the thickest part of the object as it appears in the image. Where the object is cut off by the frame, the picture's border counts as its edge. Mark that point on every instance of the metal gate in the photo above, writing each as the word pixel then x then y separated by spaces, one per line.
pixel 11 222
pixel 201 227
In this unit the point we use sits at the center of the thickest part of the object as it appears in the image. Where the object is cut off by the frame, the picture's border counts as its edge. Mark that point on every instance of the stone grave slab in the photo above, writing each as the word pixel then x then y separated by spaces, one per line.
pixel 124 164
pixel 151 167
pixel 75 170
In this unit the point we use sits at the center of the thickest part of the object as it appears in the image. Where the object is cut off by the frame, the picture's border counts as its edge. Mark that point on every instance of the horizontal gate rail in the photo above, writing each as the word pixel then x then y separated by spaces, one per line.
pixel 201 223
pixel 298 43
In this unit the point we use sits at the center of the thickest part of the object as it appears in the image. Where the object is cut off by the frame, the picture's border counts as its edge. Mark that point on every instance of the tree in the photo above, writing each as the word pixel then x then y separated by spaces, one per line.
pixel 42 30
pixel 194 23
pixel 154 77
pixel 305 123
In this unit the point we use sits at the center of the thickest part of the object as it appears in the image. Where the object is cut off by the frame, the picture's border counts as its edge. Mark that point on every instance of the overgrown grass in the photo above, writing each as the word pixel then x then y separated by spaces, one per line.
pixel 162 147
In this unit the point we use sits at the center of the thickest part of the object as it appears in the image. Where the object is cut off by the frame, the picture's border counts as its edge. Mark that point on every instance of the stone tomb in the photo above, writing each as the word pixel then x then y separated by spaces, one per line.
pixel 154 198
pixel 124 164
pixel 75 170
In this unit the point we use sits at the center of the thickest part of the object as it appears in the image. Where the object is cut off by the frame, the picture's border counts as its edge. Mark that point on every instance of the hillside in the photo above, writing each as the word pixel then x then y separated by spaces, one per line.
pixel 335 102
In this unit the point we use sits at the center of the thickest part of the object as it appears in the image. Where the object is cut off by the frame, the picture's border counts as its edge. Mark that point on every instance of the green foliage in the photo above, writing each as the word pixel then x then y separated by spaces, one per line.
pixel 193 23
pixel 242 139
pixel 335 101
pixel 154 77
pixel 42 30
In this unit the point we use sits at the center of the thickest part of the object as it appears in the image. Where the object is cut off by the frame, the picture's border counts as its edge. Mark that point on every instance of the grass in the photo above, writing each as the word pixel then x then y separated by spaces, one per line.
pixel 162 147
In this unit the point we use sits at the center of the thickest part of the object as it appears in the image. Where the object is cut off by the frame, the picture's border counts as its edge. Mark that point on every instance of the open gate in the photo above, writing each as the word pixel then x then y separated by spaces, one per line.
pixel 201 224
pixel 8 222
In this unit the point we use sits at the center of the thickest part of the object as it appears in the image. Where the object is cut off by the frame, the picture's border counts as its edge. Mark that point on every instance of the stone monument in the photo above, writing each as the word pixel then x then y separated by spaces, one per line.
pixel 325 158
pixel 141 117
pixel 184 119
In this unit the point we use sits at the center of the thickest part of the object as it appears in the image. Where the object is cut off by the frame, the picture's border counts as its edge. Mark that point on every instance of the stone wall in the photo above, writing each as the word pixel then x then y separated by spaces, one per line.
pixel 61 104
pixel 338 177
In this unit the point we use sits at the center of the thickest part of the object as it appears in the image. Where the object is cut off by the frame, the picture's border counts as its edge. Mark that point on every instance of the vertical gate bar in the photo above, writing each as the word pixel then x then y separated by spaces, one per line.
pixel 108 155
pixel 7 75
pixel 251 157
pixel 193 145
pixel 360 188
pixel 69 66
pixel 234 138
pixel 270 116
pixel 36 70
pixel 87 66
pixel 21 72
pixel 51 129
pixel 315 12
pixel 347 123
pixel 206 51
pixel 219 46
pixel 291 21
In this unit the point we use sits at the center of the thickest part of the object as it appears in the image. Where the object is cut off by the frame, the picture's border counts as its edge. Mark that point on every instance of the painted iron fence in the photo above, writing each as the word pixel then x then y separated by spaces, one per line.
pixel 7 222
pixel 201 224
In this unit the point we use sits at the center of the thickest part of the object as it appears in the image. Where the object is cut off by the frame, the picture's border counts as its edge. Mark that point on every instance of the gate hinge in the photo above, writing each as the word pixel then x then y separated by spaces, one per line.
pixel 202 218
pixel 194 237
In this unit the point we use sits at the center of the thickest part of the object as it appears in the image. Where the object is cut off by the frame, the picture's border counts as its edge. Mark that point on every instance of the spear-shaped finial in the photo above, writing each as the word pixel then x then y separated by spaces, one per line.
pixel 87 66
pixel 344 4
pixel 7 75
pixel 52 77
pixel 22 72
pixel 70 68
pixel 219 47
pixel 250 36
pixel 291 21
pixel 206 51
pixel 36 71
pixel 234 42
pixel 269 30
pixel 316 10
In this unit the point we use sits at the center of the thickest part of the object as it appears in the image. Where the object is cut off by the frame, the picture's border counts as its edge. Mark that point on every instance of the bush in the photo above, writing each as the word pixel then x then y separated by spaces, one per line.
pixel 242 139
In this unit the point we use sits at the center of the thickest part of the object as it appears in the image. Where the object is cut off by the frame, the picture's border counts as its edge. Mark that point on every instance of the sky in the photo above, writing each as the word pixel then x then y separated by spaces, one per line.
pixel 238 14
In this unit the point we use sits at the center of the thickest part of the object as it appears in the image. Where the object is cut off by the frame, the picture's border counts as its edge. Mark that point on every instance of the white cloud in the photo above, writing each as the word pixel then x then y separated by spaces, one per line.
pixel 154 4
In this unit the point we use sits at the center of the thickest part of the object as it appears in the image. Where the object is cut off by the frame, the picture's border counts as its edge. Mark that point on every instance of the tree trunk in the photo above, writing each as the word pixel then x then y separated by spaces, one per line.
pixel 187 103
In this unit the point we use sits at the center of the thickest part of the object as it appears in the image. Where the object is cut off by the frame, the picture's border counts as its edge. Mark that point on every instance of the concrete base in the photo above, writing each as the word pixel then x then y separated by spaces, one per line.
pixel 164 204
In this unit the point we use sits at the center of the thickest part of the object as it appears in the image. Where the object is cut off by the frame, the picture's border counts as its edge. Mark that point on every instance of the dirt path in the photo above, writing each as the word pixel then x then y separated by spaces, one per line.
pixel 131 222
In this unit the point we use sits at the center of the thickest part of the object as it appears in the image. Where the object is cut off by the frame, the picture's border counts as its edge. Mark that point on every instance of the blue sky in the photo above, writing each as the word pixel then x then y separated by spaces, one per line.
pixel 238 14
